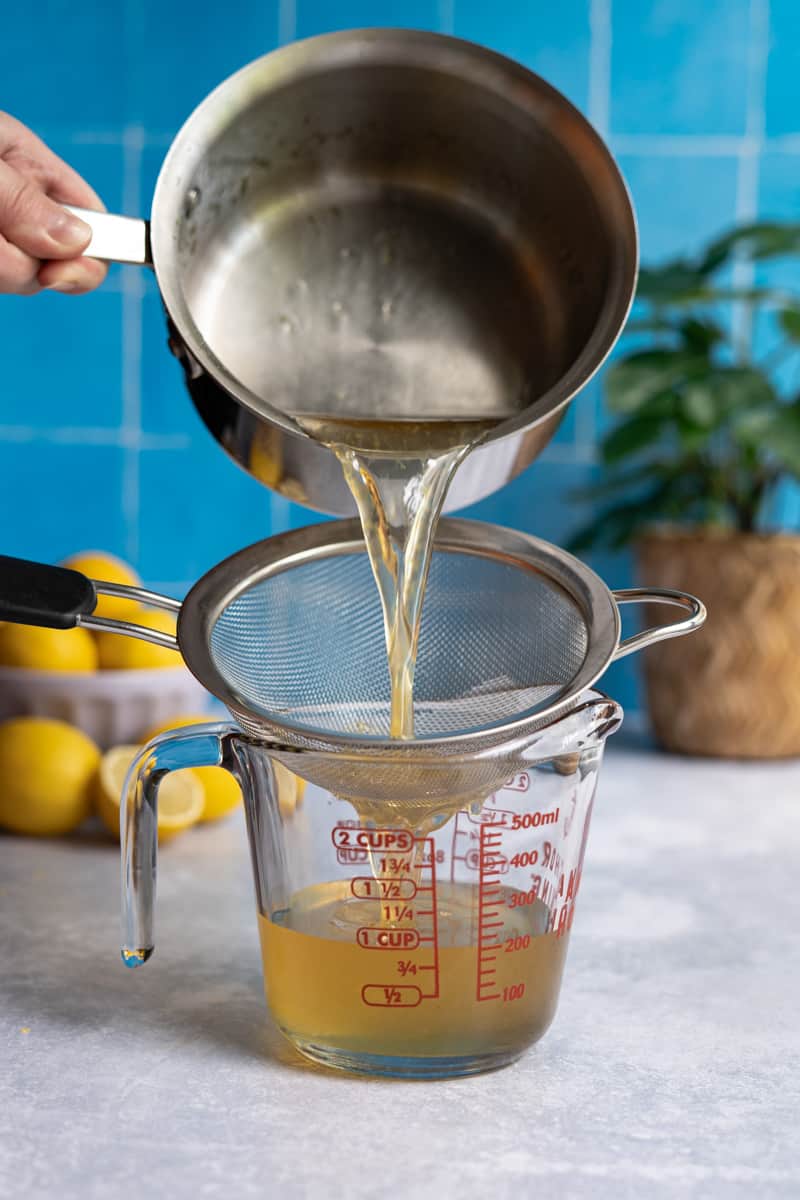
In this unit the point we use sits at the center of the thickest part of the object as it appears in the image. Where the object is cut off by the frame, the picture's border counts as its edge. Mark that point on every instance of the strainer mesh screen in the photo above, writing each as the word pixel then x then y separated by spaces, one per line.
pixel 305 646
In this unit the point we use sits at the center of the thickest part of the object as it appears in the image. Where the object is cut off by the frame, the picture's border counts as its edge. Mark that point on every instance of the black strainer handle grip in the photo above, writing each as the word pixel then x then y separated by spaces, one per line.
pixel 60 598
pixel 35 594
pixel 660 633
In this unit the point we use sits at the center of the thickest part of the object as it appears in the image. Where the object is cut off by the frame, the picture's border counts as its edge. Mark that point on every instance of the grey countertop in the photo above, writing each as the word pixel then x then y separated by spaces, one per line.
pixel 672 1068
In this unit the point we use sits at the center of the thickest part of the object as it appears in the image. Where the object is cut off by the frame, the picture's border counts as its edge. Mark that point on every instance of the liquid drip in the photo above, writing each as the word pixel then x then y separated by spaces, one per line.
pixel 329 983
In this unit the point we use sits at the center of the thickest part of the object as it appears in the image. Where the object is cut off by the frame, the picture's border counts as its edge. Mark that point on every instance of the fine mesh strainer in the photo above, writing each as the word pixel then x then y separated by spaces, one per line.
pixel 288 633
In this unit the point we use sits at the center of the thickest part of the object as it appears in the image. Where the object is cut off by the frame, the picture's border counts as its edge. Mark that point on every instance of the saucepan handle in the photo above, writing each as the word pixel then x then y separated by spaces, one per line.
pixel 114 238
pixel 60 598
pixel 690 604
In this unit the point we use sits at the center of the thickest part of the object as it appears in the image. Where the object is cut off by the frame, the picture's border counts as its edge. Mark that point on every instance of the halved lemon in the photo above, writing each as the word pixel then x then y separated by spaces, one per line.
pixel 180 795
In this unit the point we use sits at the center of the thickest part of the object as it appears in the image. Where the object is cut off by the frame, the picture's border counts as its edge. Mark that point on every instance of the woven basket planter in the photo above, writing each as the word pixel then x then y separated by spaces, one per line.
pixel 732 689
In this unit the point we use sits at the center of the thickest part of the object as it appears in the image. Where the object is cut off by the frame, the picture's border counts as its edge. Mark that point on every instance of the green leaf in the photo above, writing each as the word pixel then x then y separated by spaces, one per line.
pixel 765 239
pixel 613 527
pixel 782 438
pixel 619 524
pixel 749 428
pixel 654 324
pixel 631 436
pixel 744 387
pixel 640 378
pixel 700 336
pixel 621 481
pixel 789 321
pixel 699 403
pixel 663 285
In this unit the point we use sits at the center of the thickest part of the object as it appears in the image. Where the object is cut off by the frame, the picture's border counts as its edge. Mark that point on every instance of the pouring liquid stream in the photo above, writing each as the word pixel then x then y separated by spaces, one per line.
pixel 398 474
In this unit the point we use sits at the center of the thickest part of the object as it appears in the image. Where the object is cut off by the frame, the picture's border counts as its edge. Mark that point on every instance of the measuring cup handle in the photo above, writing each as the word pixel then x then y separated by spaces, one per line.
pixel 660 633
pixel 198 746
pixel 114 238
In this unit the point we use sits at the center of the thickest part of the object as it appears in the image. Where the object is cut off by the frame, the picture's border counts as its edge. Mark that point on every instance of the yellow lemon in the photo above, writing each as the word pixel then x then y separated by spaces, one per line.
pixel 108 569
pixel 266 455
pixel 47 770
pixel 221 791
pixel 180 795
pixel 117 652
pixel 290 788
pixel 47 649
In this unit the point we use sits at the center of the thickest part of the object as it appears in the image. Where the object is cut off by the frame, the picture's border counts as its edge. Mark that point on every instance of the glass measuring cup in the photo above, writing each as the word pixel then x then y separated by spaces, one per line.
pixel 421 952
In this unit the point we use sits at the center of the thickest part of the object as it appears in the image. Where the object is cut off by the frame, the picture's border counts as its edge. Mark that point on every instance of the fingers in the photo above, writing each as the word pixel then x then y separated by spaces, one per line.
pixel 34 223
pixel 18 271
pixel 24 276
pixel 74 277
pixel 41 243
pixel 27 154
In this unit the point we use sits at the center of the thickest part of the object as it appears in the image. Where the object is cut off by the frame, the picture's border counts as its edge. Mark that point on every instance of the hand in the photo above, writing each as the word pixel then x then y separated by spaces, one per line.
pixel 41 243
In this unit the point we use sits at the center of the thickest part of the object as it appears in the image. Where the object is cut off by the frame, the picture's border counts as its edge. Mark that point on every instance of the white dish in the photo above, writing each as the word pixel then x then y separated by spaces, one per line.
pixel 112 707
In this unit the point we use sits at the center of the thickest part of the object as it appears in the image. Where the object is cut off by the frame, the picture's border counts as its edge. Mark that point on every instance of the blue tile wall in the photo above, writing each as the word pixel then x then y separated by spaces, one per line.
pixel 678 67
pixel 552 39
pixel 315 16
pixel 100 447
pixel 782 110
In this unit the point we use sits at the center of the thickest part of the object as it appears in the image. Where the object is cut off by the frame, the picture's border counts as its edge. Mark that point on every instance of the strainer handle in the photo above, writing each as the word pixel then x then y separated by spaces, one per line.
pixel 648 637
pixel 34 593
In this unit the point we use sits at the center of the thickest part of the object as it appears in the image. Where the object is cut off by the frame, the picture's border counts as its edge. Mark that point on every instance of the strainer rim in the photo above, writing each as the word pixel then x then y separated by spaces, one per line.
pixel 221 585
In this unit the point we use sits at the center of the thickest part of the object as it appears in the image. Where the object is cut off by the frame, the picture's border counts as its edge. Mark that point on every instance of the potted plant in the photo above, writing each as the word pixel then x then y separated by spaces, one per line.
pixel 708 428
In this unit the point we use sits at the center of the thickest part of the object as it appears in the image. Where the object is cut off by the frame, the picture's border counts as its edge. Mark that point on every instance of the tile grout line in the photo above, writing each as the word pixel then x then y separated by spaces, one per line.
pixel 600 116
pixel 88 435
pixel 600 66
pixel 446 15
pixel 132 291
pixel 682 145
pixel 750 153
pixel 287 21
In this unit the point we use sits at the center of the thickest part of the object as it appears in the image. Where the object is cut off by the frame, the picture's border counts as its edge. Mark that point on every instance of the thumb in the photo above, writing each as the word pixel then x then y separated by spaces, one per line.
pixel 34 223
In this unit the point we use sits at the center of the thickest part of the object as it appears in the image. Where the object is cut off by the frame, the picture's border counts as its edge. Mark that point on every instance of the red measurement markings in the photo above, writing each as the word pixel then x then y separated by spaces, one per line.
pixel 490 906
pixel 472 859
pixel 348 856
pixel 491 816
pixel 434 934
pixel 375 937
pixel 382 887
pixel 397 912
pixel 392 841
pixel 466 836
pixel 532 820
pixel 388 995
pixel 421 938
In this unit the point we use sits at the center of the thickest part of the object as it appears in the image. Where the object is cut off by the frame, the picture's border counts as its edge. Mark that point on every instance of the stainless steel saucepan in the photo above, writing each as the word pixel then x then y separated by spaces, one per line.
pixel 384 225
